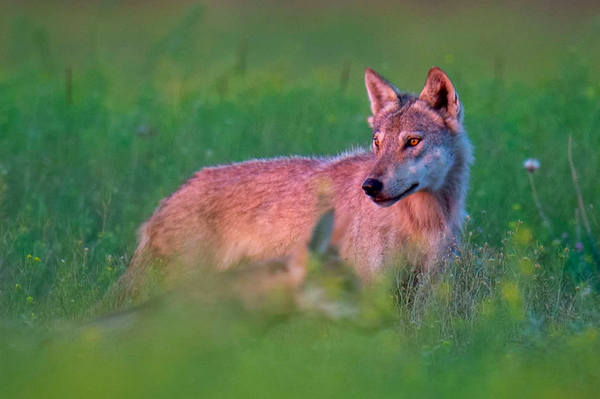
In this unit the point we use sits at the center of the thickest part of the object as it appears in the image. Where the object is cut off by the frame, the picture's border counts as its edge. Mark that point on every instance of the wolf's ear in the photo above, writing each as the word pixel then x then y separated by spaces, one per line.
pixel 440 94
pixel 381 92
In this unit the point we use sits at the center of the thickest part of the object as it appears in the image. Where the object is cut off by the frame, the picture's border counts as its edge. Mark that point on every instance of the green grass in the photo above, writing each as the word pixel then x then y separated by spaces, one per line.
pixel 158 92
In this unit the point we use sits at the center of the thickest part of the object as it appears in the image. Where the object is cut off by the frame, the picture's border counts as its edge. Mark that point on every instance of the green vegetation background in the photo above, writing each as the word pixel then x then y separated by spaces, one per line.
pixel 158 90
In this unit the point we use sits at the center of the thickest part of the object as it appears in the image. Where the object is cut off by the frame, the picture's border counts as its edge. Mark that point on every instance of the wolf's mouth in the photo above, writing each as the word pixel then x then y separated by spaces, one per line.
pixel 393 200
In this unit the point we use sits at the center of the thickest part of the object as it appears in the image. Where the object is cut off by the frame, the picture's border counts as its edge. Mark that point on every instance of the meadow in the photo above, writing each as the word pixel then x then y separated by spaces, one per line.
pixel 107 107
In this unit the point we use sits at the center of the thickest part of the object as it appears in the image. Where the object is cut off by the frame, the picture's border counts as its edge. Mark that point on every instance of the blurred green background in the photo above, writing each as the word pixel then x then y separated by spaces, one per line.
pixel 108 106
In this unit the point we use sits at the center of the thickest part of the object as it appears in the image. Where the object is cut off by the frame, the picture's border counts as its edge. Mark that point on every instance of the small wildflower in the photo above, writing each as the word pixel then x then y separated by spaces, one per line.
pixel 144 130
pixel 36 259
pixel 18 286
pixel 579 247
pixel 86 249
pixel 29 299
pixel 62 261
pixel 537 265
pixel 531 165
pixel 29 256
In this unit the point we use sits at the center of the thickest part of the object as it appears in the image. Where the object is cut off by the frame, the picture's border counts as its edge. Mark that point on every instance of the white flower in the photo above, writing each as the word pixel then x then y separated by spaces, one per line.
pixel 531 165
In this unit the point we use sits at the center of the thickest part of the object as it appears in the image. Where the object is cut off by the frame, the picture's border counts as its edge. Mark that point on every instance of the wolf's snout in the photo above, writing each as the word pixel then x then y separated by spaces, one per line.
pixel 372 187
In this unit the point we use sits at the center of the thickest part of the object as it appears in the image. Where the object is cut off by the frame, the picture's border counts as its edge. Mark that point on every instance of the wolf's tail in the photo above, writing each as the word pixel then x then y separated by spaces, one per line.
pixel 127 288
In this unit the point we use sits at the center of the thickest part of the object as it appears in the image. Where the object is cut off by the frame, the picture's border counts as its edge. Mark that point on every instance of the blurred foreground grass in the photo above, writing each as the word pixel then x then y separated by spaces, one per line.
pixel 158 92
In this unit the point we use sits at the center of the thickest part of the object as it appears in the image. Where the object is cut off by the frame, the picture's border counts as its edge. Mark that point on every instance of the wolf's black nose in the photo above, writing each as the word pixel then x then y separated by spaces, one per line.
pixel 372 187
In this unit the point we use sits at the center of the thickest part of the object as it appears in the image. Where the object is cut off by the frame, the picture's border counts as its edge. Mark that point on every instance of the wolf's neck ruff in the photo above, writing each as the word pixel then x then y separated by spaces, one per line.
pixel 404 200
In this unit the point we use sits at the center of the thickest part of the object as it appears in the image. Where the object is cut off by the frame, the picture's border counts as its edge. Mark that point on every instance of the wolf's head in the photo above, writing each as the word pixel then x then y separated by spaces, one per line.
pixel 414 138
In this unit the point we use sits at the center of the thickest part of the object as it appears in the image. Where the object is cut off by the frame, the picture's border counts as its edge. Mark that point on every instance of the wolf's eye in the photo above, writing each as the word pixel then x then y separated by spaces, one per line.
pixel 376 142
pixel 413 142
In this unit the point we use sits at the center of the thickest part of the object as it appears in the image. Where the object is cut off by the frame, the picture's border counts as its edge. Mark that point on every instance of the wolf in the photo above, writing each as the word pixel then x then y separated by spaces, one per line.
pixel 402 200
